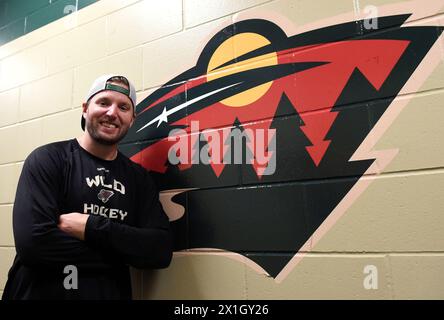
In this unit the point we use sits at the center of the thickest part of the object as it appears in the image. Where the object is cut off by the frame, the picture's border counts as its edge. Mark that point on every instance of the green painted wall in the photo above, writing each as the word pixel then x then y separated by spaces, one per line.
pixel 19 17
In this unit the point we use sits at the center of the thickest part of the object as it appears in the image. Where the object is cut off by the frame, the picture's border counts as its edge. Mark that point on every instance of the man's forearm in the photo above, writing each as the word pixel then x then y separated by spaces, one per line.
pixel 74 224
pixel 147 247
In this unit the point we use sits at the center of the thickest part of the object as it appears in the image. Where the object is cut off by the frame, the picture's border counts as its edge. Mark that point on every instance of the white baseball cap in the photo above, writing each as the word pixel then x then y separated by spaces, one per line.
pixel 102 84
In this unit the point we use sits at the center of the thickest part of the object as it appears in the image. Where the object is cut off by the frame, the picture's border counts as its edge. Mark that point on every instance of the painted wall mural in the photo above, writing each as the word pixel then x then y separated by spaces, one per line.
pixel 245 145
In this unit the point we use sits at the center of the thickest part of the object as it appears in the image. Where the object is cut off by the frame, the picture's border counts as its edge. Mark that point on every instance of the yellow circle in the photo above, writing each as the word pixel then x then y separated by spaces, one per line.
pixel 234 47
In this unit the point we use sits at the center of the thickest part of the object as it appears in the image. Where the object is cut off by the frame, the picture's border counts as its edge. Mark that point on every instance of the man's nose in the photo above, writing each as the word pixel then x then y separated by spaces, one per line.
pixel 112 110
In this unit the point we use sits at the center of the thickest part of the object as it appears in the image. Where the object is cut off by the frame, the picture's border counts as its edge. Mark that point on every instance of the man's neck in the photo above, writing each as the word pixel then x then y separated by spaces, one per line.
pixel 101 151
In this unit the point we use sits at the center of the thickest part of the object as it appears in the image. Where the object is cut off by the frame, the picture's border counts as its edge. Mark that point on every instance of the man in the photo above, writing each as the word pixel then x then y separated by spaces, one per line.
pixel 84 212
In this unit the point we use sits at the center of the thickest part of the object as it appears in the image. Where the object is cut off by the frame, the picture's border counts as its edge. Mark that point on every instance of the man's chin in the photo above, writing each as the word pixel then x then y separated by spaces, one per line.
pixel 106 140
pixel 109 141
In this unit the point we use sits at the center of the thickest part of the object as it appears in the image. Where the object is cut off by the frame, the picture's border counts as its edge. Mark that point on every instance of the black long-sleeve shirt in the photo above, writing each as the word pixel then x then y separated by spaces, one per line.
pixel 126 226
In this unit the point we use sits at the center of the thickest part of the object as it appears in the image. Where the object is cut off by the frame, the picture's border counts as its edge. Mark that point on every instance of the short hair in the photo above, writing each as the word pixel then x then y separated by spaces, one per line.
pixel 119 80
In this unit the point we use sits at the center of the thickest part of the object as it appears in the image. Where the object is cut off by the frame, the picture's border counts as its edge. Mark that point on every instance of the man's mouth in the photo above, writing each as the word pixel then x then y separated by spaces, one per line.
pixel 109 125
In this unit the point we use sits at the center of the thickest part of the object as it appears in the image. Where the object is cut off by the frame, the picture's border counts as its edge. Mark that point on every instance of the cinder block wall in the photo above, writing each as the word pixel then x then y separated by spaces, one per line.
pixel 387 230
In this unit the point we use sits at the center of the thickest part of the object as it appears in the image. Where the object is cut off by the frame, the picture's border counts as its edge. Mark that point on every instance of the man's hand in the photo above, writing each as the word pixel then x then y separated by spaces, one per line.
pixel 74 224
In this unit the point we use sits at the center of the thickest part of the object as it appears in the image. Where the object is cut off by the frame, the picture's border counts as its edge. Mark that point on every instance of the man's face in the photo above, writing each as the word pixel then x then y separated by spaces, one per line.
pixel 109 115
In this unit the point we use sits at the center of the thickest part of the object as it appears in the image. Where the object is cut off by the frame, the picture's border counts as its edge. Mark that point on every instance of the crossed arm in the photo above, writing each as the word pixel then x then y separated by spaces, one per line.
pixel 44 238
pixel 73 223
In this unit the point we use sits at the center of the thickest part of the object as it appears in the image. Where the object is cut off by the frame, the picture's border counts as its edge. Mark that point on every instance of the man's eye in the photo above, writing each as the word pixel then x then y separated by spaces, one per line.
pixel 124 107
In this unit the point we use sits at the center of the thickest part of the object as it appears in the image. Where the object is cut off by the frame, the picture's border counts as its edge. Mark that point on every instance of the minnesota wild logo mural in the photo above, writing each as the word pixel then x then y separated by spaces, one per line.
pixel 297 108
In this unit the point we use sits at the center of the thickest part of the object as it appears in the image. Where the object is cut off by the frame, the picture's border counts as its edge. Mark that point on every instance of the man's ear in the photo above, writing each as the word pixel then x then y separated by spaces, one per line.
pixel 132 121
pixel 84 108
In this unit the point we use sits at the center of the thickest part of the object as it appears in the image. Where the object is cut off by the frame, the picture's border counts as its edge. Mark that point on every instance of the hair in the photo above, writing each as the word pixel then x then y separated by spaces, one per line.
pixel 119 80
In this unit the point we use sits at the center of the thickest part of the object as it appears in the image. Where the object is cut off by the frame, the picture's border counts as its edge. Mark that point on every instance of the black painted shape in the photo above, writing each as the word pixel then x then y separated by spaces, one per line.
pixel 348 131
pixel 238 143
pixel 173 178
pixel 321 197
pixel 266 218
pixel 418 34
pixel 320 36
pixel 239 82
pixel 195 72
pixel 199 175
pixel 269 218
pixel 293 162
pixel 421 40
pixel 153 131
pixel 285 108
pixel 130 149
pixel 247 80
pixel 274 262
pixel 179 227
pixel 377 109
pixel 292 159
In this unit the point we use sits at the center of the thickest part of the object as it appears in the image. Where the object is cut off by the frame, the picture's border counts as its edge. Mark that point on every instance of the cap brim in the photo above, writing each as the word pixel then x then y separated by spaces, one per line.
pixel 82 122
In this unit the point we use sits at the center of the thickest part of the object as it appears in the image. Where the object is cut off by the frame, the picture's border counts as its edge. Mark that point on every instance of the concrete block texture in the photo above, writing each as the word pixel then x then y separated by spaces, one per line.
pixel 353 207
pixel 6 238
pixel 7 255
pixel 417 276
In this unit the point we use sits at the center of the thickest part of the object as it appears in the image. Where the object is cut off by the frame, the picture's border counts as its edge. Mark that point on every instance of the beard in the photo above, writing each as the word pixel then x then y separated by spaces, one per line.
pixel 95 134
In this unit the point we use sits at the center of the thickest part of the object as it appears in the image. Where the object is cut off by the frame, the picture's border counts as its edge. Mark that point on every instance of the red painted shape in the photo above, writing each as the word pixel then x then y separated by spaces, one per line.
pixel 155 156
pixel 312 92
pixel 319 88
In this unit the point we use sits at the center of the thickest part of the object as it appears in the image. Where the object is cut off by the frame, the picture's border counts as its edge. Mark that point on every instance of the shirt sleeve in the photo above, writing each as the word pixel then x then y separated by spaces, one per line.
pixel 39 242
pixel 147 245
